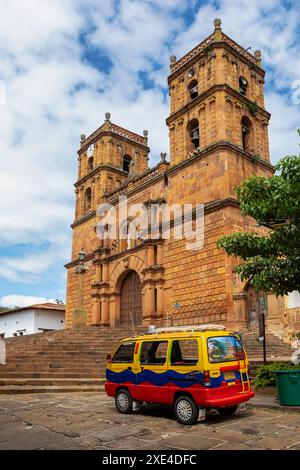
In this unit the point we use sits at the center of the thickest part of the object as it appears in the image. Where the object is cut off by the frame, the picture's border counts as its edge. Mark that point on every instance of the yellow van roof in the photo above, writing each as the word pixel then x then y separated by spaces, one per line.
pixel 183 332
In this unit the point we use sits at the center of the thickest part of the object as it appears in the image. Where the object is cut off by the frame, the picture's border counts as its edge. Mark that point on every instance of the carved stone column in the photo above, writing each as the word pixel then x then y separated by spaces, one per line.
pixel 96 310
pixel 149 301
pixel 150 255
pixel 105 311
pixel 160 254
pixel 160 300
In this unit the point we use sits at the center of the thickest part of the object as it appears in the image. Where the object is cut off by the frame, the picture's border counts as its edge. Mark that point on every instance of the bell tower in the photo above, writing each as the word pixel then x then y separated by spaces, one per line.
pixel 217 95
pixel 107 159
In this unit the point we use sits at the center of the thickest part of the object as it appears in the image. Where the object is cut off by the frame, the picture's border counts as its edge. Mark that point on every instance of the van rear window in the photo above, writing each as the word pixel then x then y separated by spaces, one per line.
pixel 124 353
pixel 224 349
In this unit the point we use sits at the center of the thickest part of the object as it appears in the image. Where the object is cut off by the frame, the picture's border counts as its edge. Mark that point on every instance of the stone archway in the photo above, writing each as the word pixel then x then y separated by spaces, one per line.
pixel 131 300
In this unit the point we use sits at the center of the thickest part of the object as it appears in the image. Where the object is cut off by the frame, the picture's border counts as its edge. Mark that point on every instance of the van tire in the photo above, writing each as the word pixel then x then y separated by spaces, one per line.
pixel 123 401
pixel 228 411
pixel 185 410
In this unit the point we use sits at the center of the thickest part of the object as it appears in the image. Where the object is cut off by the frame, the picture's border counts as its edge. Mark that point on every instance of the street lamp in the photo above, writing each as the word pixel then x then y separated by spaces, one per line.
pixel 80 313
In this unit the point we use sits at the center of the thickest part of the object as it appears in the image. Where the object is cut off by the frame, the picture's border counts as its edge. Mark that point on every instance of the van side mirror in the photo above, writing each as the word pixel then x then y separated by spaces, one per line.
pixel 108 357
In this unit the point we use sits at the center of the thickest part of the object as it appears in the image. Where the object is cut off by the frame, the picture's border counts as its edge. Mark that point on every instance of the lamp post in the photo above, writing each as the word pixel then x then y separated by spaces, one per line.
pixel 263 306
pixel 79 313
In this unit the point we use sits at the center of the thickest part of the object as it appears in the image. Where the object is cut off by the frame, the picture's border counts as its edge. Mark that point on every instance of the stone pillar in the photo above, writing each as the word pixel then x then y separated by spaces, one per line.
pixel 112 311
pixel 160 300
pixel 81 202
pixel 105 272
pixel 104 312
pixel 150 255
pixel 149 301
pixel 98 274
pixel 76 203
pixel 160 255
pixel 106 243
pixel 93 194
pixel 96 311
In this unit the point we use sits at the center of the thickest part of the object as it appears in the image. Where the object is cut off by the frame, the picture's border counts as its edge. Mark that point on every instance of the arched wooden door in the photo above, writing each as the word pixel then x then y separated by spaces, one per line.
pixel 131 300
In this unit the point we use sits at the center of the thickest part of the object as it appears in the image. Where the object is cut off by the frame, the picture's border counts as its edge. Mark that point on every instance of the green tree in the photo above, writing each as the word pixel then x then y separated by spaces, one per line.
pixel 271 261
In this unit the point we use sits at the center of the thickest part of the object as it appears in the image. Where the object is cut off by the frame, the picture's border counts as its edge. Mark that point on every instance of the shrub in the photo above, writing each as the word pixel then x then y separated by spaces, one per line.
pixel 265 376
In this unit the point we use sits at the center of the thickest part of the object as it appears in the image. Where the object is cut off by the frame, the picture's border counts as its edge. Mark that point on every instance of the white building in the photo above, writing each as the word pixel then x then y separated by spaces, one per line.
pixel 32 319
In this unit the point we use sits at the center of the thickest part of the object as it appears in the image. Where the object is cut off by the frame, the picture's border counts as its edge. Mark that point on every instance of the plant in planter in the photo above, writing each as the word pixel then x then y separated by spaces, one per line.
pixel 252 107
pixel 265 376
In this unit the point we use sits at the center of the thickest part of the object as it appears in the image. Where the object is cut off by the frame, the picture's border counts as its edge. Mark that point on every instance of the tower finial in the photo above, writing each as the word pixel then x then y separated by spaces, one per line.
pixel 218 29
pixel 107 117
pixel 217 23
pixel 257 55
pixel 173 60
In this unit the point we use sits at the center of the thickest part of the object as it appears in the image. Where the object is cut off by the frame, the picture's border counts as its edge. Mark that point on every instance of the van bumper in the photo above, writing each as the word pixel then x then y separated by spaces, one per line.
pixel 211 402
pixel 110 388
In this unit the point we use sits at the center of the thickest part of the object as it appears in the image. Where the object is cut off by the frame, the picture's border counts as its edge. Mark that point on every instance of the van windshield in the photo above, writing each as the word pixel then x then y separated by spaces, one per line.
pixel 224 349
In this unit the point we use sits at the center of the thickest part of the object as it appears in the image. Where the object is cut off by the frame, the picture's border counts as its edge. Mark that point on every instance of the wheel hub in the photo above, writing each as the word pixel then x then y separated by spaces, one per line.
pixel 122 401
pixel 184 410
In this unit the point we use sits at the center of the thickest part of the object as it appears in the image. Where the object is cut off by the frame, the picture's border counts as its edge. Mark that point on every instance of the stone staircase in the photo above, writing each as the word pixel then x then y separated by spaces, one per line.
pixel 61 361
pixel 276 348
pixel 74 359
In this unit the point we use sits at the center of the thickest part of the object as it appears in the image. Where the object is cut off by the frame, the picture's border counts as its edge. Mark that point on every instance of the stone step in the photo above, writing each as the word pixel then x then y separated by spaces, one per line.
pixel 16 389
pixel 46 381
pixel 53 374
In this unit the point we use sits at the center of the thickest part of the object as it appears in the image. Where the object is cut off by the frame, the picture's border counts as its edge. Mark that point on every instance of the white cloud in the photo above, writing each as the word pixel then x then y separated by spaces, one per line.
pixel 28 268
pixel 42 63
pixel 22 300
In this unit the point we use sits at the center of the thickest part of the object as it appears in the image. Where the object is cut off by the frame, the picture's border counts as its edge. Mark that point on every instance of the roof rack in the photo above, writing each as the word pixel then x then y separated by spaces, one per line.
pixel 207 327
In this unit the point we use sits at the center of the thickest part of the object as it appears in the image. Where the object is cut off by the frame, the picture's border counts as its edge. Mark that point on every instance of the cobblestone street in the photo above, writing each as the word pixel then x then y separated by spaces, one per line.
pixel 90 421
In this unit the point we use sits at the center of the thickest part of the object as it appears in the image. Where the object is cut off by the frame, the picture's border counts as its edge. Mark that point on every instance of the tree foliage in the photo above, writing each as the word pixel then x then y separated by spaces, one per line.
pixel 271 261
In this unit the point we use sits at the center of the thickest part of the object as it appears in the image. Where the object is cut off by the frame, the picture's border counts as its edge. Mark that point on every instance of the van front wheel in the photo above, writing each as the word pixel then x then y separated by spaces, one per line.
pixel 124 403
pixel 186 411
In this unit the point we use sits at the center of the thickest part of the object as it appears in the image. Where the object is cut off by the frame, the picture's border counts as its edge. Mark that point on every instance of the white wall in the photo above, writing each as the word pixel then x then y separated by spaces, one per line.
pixel 31 321
pixel 49 319
pixel 11 322
pixel 294 299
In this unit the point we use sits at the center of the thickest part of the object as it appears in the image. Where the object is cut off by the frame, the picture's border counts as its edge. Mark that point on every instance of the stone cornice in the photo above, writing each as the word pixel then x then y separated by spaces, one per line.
pixel 194 156
pixel 206 94
pixel 221 145
pixel 200 51
pixel 151 177
pixel 110 129
pixel 84 218
pixel 208 208
pixel 94 172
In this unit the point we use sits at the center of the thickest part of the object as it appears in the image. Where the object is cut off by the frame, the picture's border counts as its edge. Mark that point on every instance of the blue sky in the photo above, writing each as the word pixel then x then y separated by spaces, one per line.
pixel 65 63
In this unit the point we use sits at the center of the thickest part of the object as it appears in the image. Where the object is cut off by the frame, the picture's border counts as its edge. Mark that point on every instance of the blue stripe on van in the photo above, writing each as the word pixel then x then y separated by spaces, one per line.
pixel 181 380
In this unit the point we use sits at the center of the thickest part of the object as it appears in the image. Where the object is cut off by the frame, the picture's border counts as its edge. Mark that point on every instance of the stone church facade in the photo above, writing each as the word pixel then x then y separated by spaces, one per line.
pixel 218 137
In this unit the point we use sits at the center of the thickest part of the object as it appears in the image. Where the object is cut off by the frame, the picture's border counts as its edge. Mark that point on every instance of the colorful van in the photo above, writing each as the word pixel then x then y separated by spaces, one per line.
pixel 191 368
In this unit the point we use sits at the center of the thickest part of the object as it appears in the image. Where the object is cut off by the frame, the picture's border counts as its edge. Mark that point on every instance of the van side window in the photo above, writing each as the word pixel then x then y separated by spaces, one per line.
pixel 154 352
pixel 124 353
pixel 184 352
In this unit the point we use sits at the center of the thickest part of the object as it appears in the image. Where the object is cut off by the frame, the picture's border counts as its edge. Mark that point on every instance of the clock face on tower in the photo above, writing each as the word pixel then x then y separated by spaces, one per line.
pixel 90 150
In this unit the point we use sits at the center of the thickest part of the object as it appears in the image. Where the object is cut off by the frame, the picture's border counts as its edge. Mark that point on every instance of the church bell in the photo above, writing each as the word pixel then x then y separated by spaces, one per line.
pixel 195 137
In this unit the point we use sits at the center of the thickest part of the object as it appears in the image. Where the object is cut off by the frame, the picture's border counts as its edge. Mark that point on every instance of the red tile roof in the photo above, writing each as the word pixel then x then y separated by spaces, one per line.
pixel 45 306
